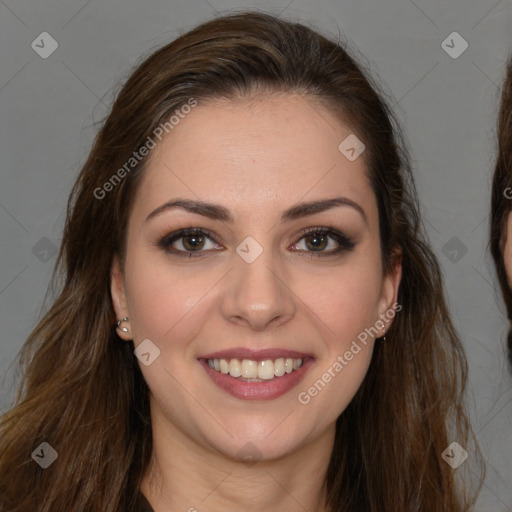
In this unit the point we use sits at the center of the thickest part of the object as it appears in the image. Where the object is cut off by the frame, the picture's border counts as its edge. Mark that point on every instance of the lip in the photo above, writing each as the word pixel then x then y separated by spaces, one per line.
pixel 265 390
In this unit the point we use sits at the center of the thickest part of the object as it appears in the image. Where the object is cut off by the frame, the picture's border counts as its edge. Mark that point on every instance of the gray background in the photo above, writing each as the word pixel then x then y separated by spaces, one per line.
pixel 447 106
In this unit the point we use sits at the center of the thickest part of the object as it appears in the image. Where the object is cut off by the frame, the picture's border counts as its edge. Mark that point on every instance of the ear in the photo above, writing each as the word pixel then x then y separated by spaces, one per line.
pixel 119 302
pixel 389 292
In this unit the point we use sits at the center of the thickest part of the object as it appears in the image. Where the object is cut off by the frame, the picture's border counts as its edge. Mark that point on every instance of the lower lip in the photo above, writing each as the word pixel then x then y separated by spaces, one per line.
pixel 264 390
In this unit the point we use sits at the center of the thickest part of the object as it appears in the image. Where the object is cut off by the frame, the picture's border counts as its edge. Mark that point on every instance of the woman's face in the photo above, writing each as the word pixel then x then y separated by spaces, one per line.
pixel 251 292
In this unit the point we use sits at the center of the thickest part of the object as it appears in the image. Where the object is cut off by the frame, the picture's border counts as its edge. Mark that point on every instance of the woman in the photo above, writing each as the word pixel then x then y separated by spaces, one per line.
pixel 250 314
pixel 501 227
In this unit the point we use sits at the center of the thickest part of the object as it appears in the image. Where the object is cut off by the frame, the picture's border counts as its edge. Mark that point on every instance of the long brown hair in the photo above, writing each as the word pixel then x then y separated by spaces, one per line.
pixel 501 202
pixel 82 390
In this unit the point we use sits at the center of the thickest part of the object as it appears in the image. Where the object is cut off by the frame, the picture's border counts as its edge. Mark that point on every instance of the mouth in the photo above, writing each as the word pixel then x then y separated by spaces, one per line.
pixel 256 375
pixel 250 370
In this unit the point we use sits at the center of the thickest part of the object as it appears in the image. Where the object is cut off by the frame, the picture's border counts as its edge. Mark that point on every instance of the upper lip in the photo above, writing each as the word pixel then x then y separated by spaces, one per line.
pixel 255 355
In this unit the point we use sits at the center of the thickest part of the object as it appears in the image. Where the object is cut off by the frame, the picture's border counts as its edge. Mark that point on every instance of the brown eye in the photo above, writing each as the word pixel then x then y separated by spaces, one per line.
pixel 316 242
pixel 188 242
pixel 323 241
pixel 193 242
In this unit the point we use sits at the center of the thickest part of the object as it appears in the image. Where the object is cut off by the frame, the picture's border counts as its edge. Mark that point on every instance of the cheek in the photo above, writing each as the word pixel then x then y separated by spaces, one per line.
pixel 160 300
pixel 345 299
pixel 345 306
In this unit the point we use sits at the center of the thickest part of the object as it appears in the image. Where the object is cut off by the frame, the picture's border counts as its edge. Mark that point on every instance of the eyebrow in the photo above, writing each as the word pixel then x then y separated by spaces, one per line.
pixel 218 212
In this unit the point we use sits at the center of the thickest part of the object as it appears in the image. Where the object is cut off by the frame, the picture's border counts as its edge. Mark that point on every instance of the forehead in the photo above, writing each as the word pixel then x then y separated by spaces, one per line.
pixel 271 150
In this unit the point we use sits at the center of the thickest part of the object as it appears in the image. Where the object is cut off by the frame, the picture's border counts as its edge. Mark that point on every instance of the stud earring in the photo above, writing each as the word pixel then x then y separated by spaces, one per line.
pixel 119 322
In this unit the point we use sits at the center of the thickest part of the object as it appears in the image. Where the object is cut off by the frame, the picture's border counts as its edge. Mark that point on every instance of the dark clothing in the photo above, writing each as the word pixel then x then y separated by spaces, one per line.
pixel 143 504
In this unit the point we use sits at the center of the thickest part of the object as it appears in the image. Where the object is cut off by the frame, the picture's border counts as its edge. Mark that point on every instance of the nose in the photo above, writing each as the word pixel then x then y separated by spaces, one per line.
pixel 256 294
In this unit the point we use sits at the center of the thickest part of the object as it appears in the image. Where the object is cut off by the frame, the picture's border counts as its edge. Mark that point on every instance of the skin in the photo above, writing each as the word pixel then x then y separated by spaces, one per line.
pixel 256 158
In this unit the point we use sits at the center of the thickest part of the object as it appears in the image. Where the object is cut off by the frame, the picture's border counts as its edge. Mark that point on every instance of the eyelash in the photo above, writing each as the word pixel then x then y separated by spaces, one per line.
pixel 345 243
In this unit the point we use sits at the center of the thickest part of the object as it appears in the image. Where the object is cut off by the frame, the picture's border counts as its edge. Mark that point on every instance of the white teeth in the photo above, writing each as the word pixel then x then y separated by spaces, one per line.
pixel 256 371
pixel 279 367
pixel 234 368
pixel 249 369
pixel 224 366
pixel 266 369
